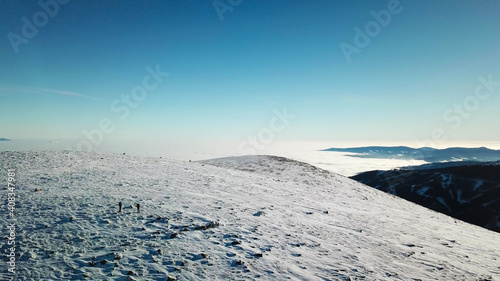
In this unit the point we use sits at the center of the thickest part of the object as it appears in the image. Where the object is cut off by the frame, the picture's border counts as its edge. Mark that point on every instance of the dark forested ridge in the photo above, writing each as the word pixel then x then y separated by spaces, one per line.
pixel 468 192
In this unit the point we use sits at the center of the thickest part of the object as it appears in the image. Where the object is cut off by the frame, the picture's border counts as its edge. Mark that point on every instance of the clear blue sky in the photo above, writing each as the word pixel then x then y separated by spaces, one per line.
pixel 227 75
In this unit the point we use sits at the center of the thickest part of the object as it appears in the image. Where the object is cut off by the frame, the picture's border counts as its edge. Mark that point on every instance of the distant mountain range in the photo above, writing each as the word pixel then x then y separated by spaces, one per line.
pixel 481 154
pixel 4 139
pixel 469 192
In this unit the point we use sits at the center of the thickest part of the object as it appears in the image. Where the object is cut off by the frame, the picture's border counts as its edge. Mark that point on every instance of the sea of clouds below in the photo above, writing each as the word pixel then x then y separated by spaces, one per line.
pixel 306 151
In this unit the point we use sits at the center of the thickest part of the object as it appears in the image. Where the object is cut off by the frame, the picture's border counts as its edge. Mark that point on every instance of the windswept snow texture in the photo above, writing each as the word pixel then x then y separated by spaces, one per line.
pixel 245 218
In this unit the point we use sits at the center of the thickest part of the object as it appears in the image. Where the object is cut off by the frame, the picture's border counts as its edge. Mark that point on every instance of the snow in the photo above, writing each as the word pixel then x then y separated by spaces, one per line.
pixel 478 184
pixel 239 218
pixel 443 202
pixel 423 190
pixel 304 151
pixel 446 180
pixel 459 197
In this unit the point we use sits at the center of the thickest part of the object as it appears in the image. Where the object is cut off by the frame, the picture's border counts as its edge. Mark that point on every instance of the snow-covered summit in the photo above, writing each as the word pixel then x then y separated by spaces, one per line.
pixel 243 218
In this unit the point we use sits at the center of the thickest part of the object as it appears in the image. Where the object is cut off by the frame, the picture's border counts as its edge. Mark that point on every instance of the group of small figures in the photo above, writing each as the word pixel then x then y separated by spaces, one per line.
pixel 120 207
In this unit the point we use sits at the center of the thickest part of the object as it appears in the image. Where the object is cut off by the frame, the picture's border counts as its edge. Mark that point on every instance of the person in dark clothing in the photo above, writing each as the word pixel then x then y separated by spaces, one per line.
pixel 138 207
pixel 120 207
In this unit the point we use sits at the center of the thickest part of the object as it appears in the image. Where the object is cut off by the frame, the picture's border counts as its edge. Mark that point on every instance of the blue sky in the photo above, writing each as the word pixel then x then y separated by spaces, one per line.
pixel 227 76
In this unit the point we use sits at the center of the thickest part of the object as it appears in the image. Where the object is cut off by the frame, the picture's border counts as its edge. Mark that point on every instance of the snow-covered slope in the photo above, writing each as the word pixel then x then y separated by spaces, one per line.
pixel 245 218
